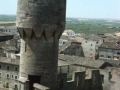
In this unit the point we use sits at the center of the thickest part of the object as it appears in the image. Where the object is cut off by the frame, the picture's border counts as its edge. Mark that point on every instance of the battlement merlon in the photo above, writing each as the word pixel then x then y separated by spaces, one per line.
pixel 41 17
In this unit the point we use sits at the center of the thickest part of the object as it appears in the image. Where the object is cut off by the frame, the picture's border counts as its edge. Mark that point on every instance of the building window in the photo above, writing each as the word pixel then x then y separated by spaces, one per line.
pixel 0 66
pixel 60 69
pixel 109 56
pixel 96 42
pixel 68 69
pixel 0 82
pixel 12 77
pixel 0 74
pixel 91 44
pixel 16 69
pixel 16 77
pixel 102 78
pixel 118 53
pixel 25 46
pixel 101 55
pixel 16 87
pixel 8 67
pixel 7 75
pixel 91 49
pixel 86 41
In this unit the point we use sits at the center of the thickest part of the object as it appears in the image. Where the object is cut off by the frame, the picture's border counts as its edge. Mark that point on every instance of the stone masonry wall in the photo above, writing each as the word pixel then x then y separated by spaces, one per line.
pixel 40 24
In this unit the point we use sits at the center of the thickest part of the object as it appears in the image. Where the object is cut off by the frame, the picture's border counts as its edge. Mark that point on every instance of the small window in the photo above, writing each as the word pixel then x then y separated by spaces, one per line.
pixel 16 87
pixel 0 74
pixel 109 56
pixel 16 77
pixel 96 42
pixel 91 49
pixel 12 77
pixel 68 69
pixel 118 53
pixel 86 41
pixel 60 69
pixel 8 67
pixel 102 78
pixel 91 44
pixel 0 66
pixel 101 55
pixel 25 46
pixel 0 82
pixel 16 69
pixel 8 76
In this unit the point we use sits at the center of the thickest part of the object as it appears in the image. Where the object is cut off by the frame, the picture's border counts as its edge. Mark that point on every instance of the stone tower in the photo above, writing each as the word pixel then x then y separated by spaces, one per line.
pixel 40 24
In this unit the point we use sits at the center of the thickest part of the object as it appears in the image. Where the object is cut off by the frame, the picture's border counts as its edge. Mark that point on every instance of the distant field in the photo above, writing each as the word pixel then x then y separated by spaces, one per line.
pixel 92 26
pixel 79 25
pixel 7 22
pixel 7 18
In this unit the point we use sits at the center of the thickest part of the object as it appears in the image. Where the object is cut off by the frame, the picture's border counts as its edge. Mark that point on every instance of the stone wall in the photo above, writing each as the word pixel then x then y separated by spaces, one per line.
pixel 40 24
pixel 80 81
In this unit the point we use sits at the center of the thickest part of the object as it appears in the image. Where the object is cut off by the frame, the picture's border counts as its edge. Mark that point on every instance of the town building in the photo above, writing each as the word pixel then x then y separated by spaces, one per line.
pixel 109 50
pixel 69 64
pixel 69 33
pixel 71 48
pixel 9 63
pixel 90 46
pixel 9 72
pixel 11 30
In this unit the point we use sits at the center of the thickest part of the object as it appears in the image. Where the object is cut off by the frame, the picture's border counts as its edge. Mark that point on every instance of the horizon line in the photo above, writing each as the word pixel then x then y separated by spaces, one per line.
pixel 75 17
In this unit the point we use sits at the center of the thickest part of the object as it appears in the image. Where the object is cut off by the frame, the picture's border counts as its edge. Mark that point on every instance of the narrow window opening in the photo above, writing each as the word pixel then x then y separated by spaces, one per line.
pixel 8 67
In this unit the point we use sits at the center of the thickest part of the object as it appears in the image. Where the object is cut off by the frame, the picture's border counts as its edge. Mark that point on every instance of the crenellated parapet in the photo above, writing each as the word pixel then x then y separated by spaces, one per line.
pixel 80 81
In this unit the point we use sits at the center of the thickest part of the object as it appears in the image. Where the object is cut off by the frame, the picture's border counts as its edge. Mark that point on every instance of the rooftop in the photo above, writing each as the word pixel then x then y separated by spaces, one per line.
pixel 112 45
pixel 10 28
pixel 9 61
pixel 66 59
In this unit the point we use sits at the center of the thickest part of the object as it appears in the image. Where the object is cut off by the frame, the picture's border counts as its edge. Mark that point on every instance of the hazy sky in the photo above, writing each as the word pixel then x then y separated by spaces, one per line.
pixel 76 8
